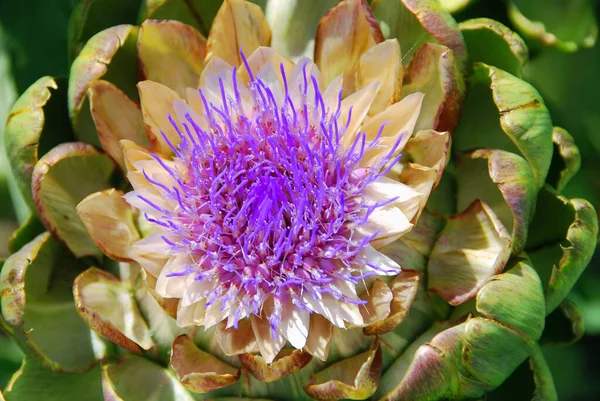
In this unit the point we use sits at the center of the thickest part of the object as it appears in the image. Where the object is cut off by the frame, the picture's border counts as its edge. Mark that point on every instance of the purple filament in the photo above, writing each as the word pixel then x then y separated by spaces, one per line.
pixel 270 201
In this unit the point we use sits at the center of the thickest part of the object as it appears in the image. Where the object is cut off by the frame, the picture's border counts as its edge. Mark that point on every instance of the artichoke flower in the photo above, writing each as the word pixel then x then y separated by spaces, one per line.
pixel 309 200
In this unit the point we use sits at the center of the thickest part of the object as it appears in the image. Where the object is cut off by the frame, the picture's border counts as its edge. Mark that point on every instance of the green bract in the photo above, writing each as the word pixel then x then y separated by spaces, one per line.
pixel 494 248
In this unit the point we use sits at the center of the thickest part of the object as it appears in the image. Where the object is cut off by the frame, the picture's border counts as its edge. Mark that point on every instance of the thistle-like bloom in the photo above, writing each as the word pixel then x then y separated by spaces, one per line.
pixel 270 195
pixel 271 208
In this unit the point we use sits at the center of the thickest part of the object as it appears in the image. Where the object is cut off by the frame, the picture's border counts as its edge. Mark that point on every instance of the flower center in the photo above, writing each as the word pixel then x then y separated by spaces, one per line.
pixel 270 198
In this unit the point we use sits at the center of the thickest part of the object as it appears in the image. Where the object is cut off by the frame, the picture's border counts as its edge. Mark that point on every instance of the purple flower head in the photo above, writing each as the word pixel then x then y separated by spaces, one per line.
pixel 272 187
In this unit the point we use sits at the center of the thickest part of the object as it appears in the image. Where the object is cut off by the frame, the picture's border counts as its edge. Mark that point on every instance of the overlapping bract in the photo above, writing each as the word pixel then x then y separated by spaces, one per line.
pixel 387 79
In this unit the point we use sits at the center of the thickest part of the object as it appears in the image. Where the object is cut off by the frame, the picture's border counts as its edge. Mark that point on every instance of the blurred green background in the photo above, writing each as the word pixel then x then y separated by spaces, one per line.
pixel 34 41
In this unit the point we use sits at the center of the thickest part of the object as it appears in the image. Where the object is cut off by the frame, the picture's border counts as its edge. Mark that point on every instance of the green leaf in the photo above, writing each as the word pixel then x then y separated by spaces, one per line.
pixel 414 22
pixel 565 25
pixel 492 351
pixel 37 122
pixel 564 236
pixel 564 326
pixel 488 41
pixel 138 379
pixel 566 160
pixel 92 16
pixel 455 360
pixel 504 181
pixel 62 179
pixel 516 300
pixel 506 113
pixel 197 13
pixel 34 382
pixel 499 341
pixel 112 56
pixel 38 307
